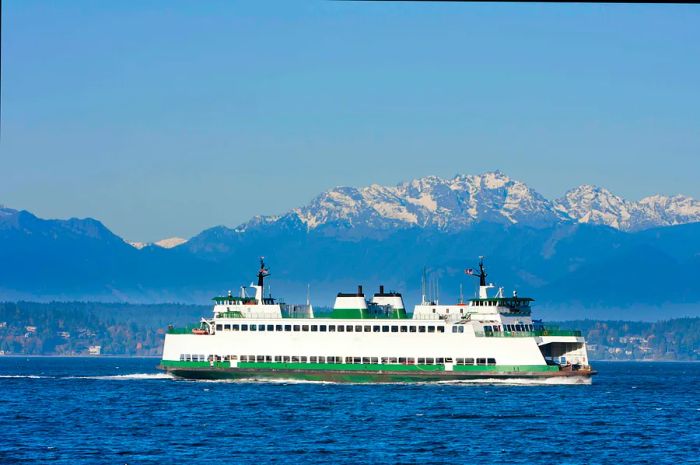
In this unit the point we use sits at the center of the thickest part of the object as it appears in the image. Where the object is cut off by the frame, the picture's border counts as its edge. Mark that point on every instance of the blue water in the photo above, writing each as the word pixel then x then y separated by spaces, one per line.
pixel 117 411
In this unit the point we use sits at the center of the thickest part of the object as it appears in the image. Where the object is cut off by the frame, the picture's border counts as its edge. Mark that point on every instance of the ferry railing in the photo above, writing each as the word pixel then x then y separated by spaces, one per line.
pixel 539 333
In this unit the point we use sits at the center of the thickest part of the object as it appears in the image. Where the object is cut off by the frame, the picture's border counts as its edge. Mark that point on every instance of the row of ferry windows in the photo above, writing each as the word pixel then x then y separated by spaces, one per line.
pixel 333 359
pixel 338 328
pixel 513 328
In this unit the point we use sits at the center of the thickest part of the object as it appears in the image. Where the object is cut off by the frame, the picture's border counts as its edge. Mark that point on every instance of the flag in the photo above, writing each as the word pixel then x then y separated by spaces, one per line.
pixel 469 271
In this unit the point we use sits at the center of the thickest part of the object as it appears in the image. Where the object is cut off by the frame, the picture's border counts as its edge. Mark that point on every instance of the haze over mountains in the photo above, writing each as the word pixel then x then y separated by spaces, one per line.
pixel 590 253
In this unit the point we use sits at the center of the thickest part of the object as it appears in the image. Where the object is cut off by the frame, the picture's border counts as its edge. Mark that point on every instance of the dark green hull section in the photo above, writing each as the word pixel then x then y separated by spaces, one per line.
pixel 359 376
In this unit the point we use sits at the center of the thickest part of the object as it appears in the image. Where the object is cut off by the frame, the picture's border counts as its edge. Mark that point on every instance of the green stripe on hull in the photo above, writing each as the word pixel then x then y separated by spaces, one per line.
pixel 359 376
pixel 281 366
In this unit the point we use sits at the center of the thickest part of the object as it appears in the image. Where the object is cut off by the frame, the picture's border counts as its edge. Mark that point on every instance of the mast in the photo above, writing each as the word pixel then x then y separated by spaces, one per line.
pixel 262 274
pixel 483 294
pixel 482 274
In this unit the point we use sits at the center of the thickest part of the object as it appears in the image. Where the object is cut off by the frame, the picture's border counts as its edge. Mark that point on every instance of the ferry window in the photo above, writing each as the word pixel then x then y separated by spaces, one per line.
pixel 287 358
pixel 321 359
pixel 278 358
pixel 385 329
pixel 260 358
pixel 357 360
pixel 295 358
pixel 235 327
pixel 303 358
pixel 305 327
pixel 421 329
pixel 330 359
pixel 322 328
pixel 429 361
pixel 313 359
pixel 365 360
pixel 404 329
pixel 455 329
pixel 182 357
pixel 219 328
pixel 421 361
pixel 393 359
pixel 481 361
pixel 488 329
pixel 447 311
pixel 261 327
pixel 461 329
pixel 244 358
pixel 433 310
pixel 296 327
pixel 374 360
pixel 385 359
pixel 491 361
pixel 410 360
pixel 268 358
pixel 287 327
pixel 244 327
pixel 431 329
pixel 469 361
pixel 270 327
pixel 394 329
pixel 278 327
pixel 349 328
pixel 402 360
pixel 368 329
pixel 227 327
pixel 439 360
pixel 314 328
pixel 331 328
pixel 341 328
pixel 440 329
pixel 358 329
pixel 376 329
pixel 460 361
pixel 411 329
pixel 253 327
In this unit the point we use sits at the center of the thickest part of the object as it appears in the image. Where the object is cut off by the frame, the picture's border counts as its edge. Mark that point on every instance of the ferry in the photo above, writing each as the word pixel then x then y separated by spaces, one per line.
pixel 373 339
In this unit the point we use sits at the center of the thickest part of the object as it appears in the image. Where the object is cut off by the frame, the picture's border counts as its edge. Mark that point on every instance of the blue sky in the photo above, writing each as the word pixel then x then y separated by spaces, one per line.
pixel 164 118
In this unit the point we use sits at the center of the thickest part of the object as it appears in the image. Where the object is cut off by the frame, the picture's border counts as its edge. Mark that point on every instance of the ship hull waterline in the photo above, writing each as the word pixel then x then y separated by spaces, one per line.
pixel 359 376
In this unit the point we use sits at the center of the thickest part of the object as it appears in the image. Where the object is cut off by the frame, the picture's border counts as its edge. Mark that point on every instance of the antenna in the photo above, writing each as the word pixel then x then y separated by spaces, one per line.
pixel 461 295
pixel 308 294
pixel 437 290
pixel 422 287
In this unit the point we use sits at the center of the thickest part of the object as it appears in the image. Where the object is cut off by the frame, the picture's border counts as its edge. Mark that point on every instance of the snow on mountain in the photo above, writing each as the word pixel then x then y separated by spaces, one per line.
pixel 431 202
pixel 170 242
pixel 453 204
pixel 595 205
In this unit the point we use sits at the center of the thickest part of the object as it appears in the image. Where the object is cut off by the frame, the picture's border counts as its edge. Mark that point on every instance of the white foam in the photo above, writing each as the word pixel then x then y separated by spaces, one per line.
pixel 25 376
pixel 131 376
pixel 553 381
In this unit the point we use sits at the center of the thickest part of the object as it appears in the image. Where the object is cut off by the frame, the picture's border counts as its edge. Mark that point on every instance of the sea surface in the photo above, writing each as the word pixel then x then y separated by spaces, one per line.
pixel 123 411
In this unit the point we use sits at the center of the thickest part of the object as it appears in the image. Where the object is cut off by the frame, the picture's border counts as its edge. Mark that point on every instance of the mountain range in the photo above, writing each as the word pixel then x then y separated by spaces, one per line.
pixel 588 254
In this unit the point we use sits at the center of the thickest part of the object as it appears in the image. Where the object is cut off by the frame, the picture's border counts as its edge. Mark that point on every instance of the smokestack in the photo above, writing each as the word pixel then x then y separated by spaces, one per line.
pixel 359 289
pixel 381 288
